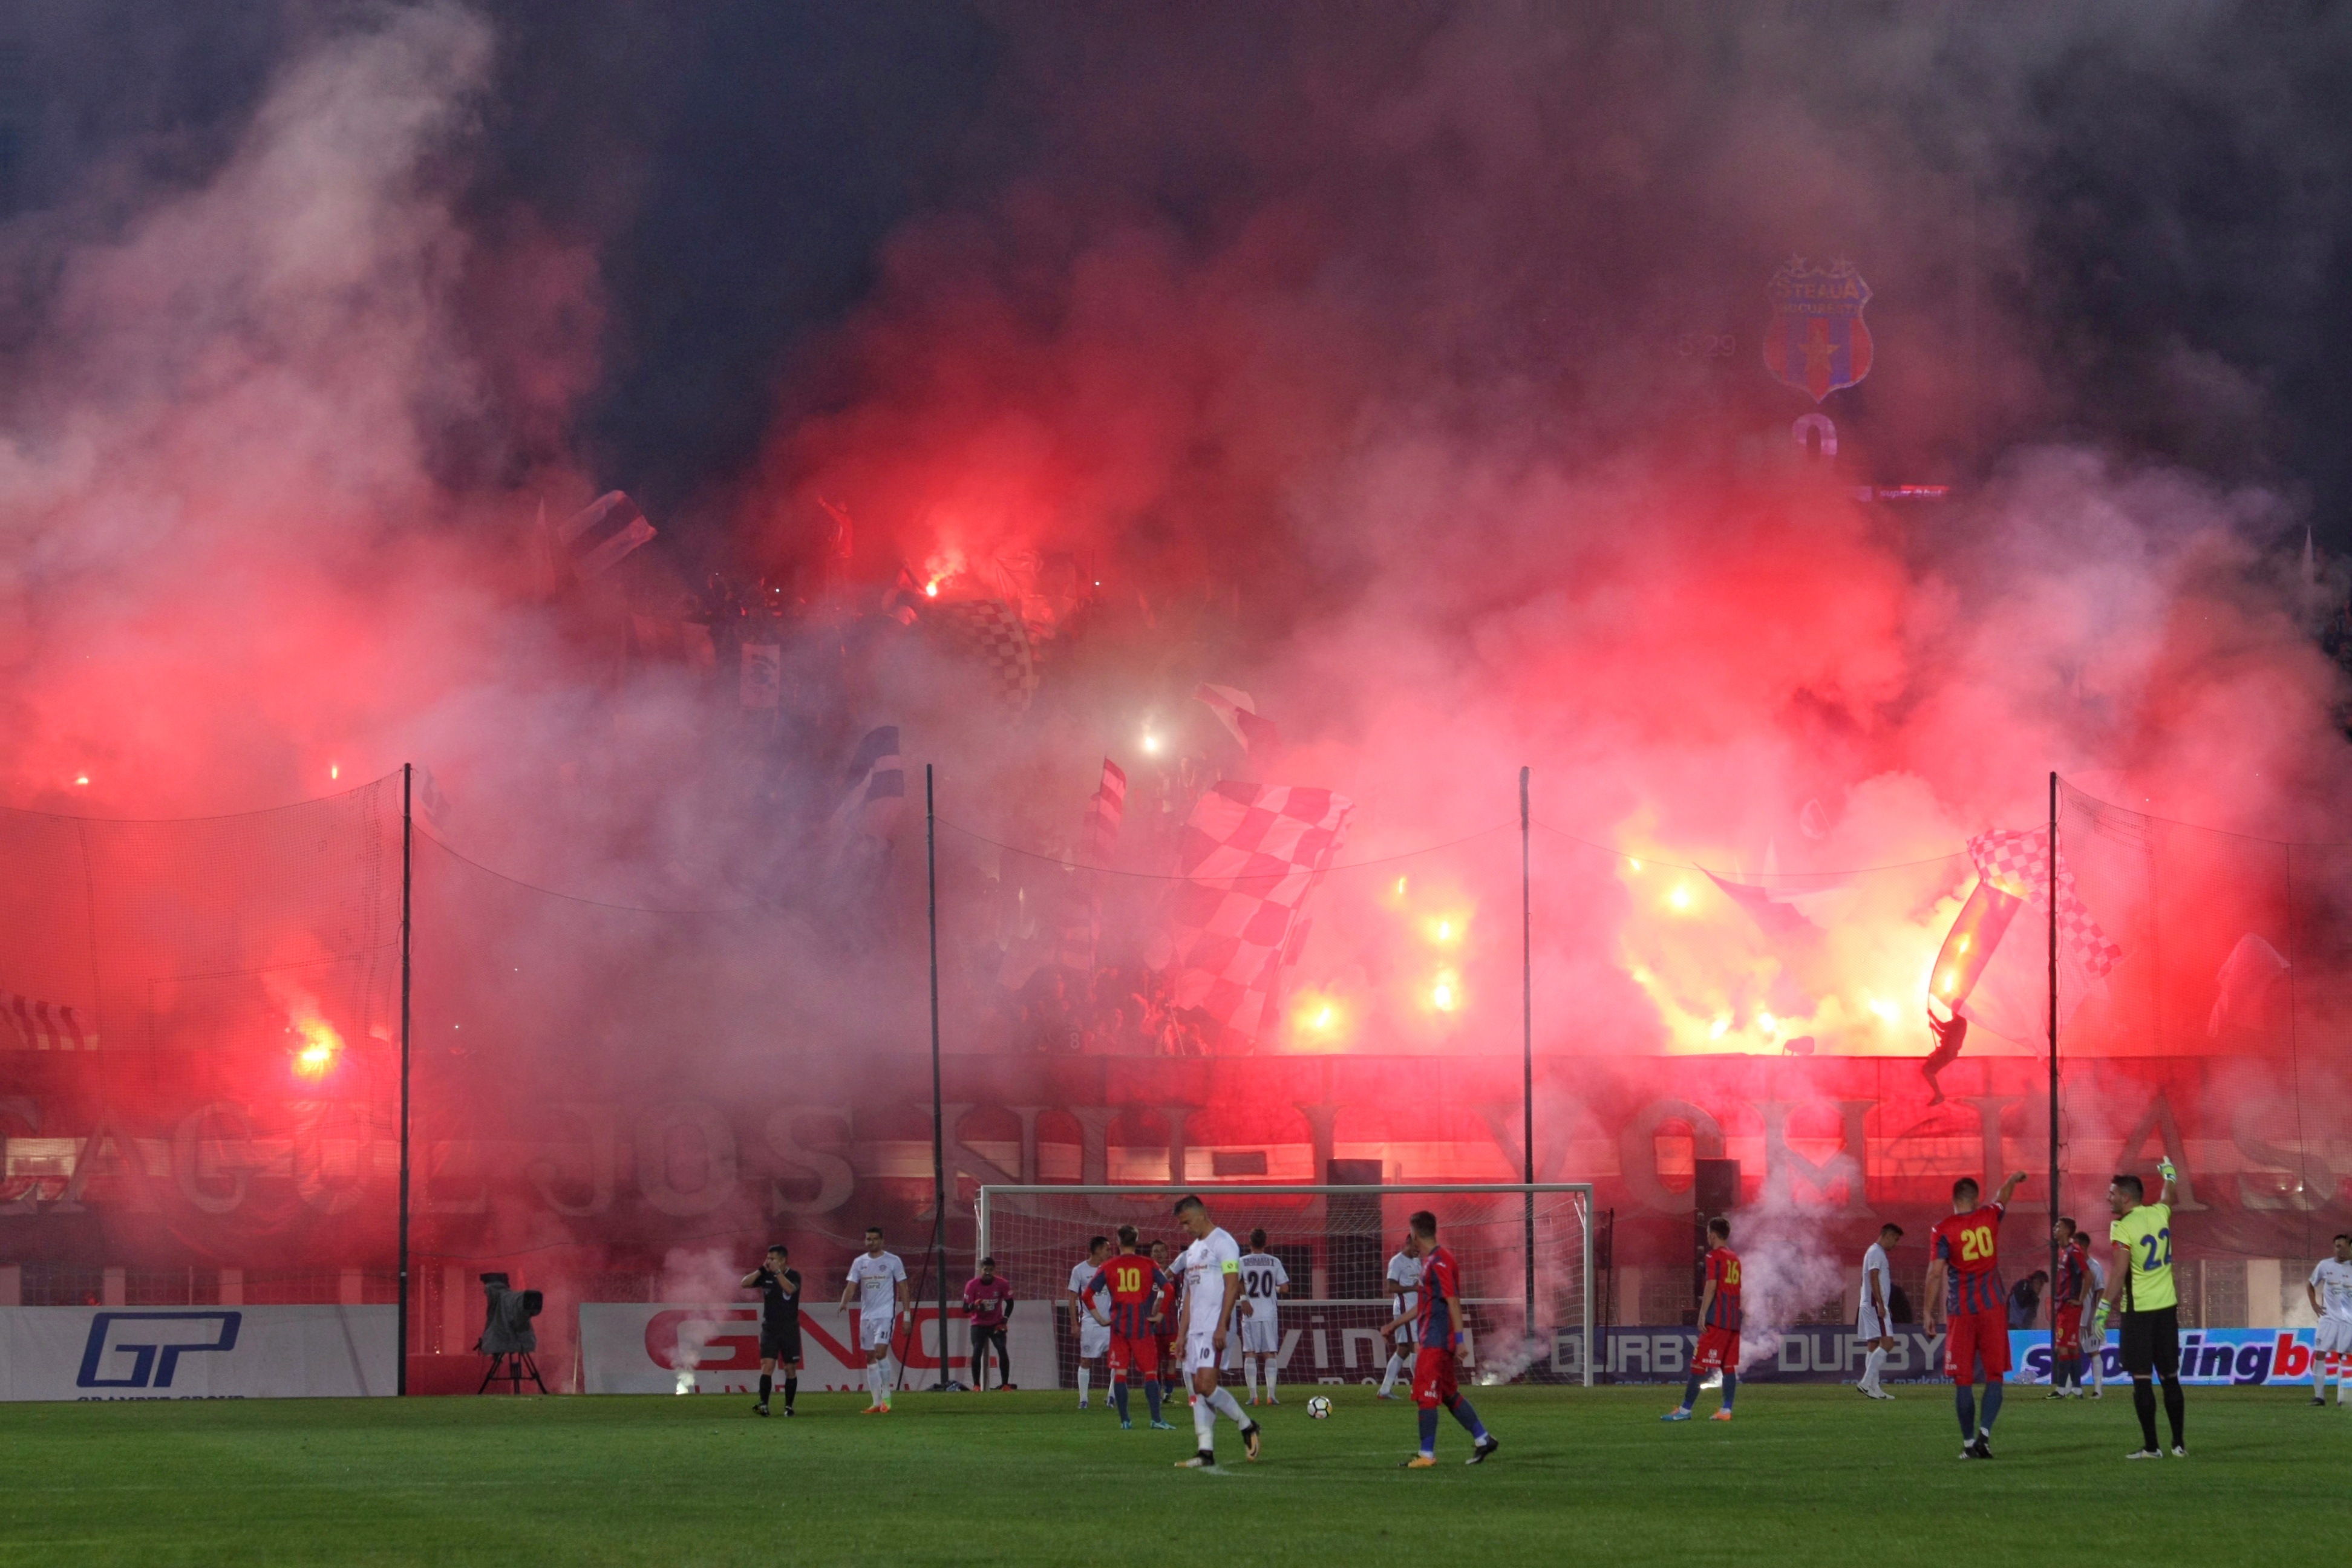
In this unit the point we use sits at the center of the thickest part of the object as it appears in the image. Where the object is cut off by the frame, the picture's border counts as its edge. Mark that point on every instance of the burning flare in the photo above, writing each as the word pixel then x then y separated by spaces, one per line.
pixel 321 1047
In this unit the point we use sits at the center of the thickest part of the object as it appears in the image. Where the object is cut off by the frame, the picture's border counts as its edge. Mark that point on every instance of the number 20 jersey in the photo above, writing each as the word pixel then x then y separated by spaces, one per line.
pixel 1969 1245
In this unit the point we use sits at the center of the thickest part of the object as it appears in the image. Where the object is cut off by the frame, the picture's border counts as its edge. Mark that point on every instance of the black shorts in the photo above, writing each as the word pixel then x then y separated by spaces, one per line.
pixel 2151 1342
pixel 780 1341
pixel 983 1338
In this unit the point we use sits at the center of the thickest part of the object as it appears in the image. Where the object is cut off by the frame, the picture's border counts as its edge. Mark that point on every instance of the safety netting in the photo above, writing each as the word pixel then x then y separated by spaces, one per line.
pixel 621 1097
pixel 199 1056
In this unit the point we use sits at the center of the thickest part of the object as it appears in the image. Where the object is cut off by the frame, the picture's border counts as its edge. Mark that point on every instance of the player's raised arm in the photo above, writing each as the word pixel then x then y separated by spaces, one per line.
pixel 2009 1188
pixel 2165 1168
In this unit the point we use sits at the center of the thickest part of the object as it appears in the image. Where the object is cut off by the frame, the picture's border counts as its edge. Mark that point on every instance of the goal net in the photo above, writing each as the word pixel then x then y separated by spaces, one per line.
pixel 1524 1252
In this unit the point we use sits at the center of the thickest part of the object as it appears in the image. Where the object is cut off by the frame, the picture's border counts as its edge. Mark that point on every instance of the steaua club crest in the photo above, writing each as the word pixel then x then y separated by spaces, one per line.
pixel 1817 342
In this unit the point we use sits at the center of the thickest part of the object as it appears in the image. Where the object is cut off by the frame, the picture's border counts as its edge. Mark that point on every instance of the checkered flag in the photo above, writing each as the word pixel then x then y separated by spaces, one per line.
pixel 1078 924
pixel 1249 857
pixel 35 1026
pixel 993 632
pixel 2018 864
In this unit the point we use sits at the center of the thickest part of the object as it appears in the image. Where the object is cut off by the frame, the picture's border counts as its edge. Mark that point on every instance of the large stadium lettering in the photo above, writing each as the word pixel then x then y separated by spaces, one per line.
pixel 2157 1121
pixel 2282 1178
pixel 198 1160
pixel 686 1138
pixel 1637 1150
pixel 546 1173
pixel 836 1178
pixel 1783 1166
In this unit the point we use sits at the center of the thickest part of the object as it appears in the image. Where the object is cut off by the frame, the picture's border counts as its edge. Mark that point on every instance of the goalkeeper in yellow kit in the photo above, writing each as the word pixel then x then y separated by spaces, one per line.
pixel 2141 1279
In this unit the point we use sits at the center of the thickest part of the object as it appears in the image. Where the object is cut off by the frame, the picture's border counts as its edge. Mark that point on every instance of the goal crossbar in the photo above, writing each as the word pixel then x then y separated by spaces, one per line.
pixel 991 1196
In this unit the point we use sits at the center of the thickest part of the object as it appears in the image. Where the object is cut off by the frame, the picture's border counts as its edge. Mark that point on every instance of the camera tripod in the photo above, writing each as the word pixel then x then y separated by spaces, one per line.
pixel 511 1368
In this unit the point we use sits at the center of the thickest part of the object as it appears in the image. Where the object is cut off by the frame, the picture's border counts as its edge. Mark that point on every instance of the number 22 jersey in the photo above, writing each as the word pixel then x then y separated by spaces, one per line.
pixel 2146 1230
pixel 1969 1245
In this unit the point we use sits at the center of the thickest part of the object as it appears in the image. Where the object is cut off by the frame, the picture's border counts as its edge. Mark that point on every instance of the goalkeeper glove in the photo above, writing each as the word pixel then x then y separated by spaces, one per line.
pixel 2099 1319
pixel 2164 1168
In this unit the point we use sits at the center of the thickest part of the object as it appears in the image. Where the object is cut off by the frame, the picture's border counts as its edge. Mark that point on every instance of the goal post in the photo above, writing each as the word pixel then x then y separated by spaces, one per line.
pixel 1334 1243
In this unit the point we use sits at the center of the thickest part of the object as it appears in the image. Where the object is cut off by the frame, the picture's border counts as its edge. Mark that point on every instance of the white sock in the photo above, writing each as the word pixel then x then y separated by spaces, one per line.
pixel 1085 1376
pixel 874 1380
pixel 1204 1424
pixel 1249 1373
pixel 1387 1378
pixel 1272 1371
pixel 1871 1369
pixel 1222 1403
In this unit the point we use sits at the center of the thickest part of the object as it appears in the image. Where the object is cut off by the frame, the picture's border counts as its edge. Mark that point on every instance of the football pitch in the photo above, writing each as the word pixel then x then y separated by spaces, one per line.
pixel 1803 1474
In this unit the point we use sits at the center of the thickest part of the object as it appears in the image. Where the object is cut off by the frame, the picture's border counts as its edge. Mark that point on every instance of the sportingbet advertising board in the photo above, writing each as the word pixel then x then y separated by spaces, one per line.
pixel 2218 1357
pixel 636 1347
pixel 195 1353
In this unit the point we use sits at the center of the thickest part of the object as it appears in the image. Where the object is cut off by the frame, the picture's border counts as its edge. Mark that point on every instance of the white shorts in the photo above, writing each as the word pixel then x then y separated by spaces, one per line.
pixel 1868 1327
pixel 1261 1334
pixel 1094 1338
pixel 1408 1337
pixel 2333 1336
pixel 1201 1350
pixel 875 1329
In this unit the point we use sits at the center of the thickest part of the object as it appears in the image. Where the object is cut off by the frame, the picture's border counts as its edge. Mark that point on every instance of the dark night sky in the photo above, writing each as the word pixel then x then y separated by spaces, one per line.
pixel 2178 177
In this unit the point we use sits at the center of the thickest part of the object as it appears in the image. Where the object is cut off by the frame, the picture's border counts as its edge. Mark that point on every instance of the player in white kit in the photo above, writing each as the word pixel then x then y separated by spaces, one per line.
pixel 2095 1339
pixel 877 1282
pixel 1094 1338
pixel 2330 1289
pixel 1402 1287
pixel 1874 1324
pixel 1264 1281
pixel 1211 1267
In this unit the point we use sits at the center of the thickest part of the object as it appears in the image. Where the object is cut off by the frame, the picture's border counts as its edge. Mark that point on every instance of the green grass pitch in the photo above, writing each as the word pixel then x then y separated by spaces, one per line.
pixel 1804 1475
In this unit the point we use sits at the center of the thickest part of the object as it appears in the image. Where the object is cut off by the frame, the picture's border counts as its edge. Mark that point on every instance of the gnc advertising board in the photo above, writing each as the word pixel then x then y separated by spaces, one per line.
pixel 668 1347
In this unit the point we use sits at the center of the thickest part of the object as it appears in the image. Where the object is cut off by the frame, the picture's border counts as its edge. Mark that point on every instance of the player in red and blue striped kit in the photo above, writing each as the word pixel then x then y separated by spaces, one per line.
pixel 1434 1367
pixel 1719 1332
pixel 1965 1260
pixel 1135 1285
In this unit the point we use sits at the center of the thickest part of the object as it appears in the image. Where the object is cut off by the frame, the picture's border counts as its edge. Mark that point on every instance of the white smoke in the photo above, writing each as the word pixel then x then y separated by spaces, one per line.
pixel 1787 1270
pixel 698 1276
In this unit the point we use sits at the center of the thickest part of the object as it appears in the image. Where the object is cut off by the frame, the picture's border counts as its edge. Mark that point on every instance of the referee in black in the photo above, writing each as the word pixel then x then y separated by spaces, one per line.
pixel 779 1284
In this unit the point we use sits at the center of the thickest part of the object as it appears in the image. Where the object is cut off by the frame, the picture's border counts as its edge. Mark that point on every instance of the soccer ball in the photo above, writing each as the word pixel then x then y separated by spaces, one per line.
pixel 1319 1408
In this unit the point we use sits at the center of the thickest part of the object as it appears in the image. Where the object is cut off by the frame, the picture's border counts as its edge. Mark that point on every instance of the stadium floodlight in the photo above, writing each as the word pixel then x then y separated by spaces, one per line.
pixel 507 1338
pixel 1336 1242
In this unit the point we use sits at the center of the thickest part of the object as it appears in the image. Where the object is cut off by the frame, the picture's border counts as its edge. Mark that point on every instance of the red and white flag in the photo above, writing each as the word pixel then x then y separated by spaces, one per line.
pixel 1996 974
pixel 599 536
pixel 35 1025
pixel 1078 929
pixel 1238 713
pixel 1250 856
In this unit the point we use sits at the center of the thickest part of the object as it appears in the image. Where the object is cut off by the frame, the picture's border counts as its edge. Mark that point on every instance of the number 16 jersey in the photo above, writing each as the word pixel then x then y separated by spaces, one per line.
pixel 1969 1245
